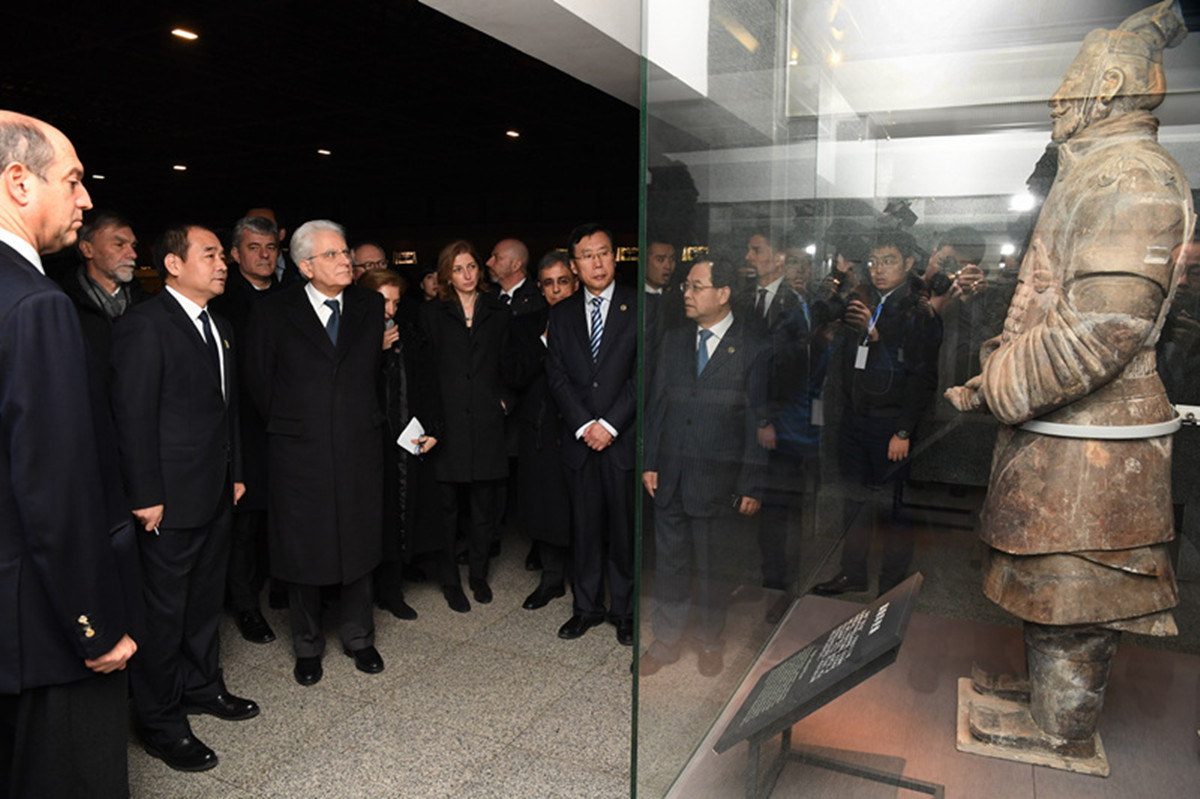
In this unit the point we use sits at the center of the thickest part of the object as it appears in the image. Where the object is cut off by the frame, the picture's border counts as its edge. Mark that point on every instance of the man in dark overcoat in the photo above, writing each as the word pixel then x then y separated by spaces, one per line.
pixel 312 361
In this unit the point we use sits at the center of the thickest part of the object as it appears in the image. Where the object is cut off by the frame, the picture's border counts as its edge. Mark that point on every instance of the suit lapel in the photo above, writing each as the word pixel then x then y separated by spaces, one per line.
pixel 187 327
pixel 725 351
pixel 618 311
pixel 301 312
pixel 351 325
pixel 224 336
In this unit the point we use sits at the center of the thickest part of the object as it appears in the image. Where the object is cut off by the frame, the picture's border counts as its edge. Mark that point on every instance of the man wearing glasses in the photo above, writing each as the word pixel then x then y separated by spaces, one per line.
pixel 591 363
pixel 889 360
pixel 702 464
pixel 312 361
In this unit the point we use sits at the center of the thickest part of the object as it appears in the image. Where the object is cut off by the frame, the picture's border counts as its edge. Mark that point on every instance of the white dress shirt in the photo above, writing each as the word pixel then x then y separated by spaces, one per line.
pixel 193 311
pixel 23 247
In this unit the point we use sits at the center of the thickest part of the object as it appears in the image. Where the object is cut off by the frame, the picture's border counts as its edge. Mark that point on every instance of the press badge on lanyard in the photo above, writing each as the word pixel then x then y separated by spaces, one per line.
pixel 860 358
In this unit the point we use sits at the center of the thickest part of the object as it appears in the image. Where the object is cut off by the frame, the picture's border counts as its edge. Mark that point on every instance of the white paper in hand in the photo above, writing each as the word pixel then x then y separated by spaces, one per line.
pixel 412 430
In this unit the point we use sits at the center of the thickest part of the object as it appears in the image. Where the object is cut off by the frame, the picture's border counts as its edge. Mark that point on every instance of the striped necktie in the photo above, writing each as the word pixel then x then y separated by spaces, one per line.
pixel 597 328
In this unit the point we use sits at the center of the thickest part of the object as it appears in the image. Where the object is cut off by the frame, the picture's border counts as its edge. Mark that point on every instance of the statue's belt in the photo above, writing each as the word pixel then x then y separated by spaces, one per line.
pixel 1191 413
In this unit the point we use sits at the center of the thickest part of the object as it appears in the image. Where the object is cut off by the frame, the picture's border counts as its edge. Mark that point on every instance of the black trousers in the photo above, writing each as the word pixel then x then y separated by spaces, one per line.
pixel 863 443
pixel 183 583
pixel 66 740
pixel 247 550
pixel 601 537
pixel 483 497
pixel 357 626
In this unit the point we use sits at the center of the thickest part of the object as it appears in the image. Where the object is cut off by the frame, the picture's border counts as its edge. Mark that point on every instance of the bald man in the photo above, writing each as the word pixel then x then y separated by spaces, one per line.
pixel 506 267
pixel 68 590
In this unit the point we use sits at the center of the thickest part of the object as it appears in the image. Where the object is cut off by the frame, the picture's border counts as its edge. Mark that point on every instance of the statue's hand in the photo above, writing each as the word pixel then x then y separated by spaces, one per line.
pixel 965 398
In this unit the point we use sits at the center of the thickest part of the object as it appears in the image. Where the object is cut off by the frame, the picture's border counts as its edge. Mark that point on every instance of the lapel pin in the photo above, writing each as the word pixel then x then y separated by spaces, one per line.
pixel 731 350
pixel 623 306
pixel 226 343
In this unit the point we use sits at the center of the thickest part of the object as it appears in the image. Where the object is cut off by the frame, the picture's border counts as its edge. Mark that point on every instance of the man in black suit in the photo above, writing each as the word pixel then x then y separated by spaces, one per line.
pixel 702 463
pixel 312 365
pixel 591 367
pixel 68 598
pixel 775 312
pixel 543 494
pixel 175 404
pixel 506 267
pixel 254 246
pixel 102 286
pixel 660 265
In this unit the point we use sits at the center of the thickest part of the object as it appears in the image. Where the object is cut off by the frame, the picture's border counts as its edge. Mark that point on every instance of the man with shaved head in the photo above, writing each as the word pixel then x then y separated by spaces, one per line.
pixel 506 267
pixel 68 591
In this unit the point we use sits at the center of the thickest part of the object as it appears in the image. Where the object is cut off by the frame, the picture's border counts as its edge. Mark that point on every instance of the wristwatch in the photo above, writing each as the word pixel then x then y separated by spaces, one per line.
pixel 902 435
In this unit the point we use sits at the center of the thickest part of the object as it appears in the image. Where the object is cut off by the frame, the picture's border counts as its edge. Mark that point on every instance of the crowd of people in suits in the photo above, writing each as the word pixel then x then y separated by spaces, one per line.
pixel 324 423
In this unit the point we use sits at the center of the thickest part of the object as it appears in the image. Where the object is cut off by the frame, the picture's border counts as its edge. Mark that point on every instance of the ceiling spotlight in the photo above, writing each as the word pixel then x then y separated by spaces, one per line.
pixel 835 58
pixel 512 134
pixel 323 151
pixel 811 249
pixel 184 33
pixel 1007 249
pixel 179 168
pixel 97 177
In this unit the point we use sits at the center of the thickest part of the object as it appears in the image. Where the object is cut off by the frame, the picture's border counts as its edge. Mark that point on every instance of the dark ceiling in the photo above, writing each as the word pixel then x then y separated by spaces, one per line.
pixel 412 105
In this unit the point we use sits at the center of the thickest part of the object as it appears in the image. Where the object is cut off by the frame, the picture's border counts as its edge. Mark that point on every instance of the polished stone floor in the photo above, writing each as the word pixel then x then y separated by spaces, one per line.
pixel 493 704
pixel 489 703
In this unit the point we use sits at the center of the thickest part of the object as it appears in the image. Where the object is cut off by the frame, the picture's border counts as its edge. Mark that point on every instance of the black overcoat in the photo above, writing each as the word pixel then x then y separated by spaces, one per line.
pixel 467 364
pixel 324 433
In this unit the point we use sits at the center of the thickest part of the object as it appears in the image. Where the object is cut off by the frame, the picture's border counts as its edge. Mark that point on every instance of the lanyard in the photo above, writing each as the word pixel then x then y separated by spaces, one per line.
pixel 874 319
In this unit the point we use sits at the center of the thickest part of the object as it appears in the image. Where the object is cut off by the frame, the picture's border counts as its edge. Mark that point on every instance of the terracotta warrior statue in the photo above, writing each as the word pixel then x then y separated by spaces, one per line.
pixel 1078 513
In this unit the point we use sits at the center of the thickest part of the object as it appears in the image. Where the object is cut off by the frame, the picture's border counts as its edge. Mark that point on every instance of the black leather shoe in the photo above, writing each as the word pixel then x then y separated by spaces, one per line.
pixel 533 561
pixel 184 754
pixel 625 632
pixel 542 596
pixel 838 585
pixel 224 706
pixel 366 660
pixel 254 627
pixel 480 590
pixel 455 598
pixel 400 609
pixel 577 626
pixel 308 671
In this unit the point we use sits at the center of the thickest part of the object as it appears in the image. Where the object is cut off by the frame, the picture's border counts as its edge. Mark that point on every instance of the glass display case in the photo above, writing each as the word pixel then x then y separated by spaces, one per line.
pixel 804 160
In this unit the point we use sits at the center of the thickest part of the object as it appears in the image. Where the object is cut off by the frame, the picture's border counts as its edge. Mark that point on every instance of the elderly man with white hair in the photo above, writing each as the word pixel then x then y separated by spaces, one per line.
pixel 312 360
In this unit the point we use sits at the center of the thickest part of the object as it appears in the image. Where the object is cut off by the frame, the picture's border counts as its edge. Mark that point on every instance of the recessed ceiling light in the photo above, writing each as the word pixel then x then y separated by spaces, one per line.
pixel 323 151
pixel 512 134
pixel 97 177
pixel 179 168
pixel 184 33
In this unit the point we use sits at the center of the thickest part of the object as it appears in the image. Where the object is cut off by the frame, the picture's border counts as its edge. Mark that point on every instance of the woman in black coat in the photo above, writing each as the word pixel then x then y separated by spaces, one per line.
pixel 465 329
pixel 410 509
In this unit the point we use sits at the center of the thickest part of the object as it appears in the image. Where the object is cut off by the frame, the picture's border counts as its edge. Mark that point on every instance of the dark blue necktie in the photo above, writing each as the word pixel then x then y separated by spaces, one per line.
pixel 702 351
pixel 331 327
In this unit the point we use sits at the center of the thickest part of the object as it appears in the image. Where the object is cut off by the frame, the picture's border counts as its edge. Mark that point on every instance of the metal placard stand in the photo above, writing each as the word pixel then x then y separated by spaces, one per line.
pixel 818 673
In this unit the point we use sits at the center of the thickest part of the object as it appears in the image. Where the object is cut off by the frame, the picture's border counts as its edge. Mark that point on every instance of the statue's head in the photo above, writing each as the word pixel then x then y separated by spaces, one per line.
pixel 1117 71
